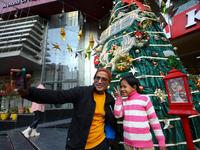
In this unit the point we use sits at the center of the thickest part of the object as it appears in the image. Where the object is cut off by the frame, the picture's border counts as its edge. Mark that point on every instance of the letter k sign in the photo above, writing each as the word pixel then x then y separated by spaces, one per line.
pixel 191 17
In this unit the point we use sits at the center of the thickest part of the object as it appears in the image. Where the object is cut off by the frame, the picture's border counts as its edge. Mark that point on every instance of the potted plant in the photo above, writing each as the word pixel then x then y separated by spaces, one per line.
pixel 21 110
pixel 2 102
pixel 14 111
pixel 7 94
pixel 27 109
pixel 4 112
pixel 4 115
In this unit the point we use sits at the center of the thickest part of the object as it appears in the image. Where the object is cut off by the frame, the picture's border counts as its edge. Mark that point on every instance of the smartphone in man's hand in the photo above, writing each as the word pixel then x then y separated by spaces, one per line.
pixel 21 79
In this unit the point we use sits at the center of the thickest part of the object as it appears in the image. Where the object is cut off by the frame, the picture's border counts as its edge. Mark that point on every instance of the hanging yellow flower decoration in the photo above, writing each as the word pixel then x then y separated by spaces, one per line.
pixel 99 49
pixel 91 41
pixel 62 33
pixel 69 48
pixel 80 35
pixel 120 67
pixel 88 52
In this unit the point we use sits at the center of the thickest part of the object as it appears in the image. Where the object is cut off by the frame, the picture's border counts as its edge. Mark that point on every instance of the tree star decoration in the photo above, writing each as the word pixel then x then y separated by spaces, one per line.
pixel 91 41
pixel 88 52
pixel 62 33
pixel 69 48
pixel 133 70
pixel 160 94
pixel 80 35
pixel 56 46
pixel 167 125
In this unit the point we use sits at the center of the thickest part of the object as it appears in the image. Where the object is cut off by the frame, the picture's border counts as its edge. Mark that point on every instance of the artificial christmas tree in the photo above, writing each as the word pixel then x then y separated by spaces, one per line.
pixel 135 44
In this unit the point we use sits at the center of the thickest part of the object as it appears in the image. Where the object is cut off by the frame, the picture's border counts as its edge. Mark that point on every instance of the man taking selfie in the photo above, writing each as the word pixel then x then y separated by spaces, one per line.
pixel 93 125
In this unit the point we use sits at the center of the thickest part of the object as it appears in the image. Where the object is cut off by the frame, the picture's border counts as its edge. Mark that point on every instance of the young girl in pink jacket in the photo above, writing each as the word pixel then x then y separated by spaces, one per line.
pixel 138 112
pixel 37 109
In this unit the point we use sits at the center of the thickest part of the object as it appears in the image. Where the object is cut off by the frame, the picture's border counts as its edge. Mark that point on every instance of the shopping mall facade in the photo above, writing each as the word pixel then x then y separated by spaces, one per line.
pixel 29 28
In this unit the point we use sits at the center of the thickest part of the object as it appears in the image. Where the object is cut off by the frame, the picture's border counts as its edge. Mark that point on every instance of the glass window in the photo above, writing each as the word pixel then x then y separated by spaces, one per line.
pixel 61 66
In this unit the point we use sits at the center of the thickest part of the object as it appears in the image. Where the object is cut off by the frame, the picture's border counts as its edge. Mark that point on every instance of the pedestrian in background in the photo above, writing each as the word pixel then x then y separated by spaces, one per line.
pixel 37 109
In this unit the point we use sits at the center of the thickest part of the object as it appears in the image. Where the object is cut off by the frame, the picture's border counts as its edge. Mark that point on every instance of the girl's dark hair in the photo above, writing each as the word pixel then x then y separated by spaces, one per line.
pixel 131 80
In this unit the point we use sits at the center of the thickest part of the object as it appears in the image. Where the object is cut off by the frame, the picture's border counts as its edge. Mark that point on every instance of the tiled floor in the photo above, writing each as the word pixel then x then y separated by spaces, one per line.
pixel 52 135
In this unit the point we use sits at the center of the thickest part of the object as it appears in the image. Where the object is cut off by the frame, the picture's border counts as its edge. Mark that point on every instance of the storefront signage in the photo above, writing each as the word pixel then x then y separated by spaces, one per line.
pixel 183 23
pixel 7 6
pixel 191 17
pixel 16 3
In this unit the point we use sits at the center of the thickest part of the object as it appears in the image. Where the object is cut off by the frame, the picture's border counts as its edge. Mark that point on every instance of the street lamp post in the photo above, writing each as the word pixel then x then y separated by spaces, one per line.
pixel 180 100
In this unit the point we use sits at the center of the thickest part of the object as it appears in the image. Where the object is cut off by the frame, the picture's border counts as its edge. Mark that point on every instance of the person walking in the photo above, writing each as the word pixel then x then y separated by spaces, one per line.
pixel 137 110
pixel 93 125
pixel 37 109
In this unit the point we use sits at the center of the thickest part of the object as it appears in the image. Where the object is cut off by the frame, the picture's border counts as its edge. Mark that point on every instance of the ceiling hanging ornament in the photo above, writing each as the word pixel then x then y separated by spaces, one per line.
pixel 62 33
pixel 160 94
pixel 98 44
pixel 56 46
pixel 78 52
pixel 88 52
pixel 167 12
pixel 80 35
pixel 69 48
pixel 99 49
pixel 91 41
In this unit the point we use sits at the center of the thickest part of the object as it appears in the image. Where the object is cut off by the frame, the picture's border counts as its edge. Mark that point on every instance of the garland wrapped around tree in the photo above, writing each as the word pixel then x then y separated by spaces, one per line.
pixel 135 44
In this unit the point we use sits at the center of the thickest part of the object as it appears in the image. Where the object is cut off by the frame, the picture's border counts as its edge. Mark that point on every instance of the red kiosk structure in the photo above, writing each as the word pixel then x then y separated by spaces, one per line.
pixel 180 101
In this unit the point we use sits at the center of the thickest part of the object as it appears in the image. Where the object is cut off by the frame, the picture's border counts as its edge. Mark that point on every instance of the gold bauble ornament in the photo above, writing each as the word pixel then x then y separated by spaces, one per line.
pixel 137 51
pixel 175 48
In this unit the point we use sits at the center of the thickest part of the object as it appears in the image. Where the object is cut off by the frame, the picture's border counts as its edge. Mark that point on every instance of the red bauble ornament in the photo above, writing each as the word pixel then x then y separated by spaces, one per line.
pixel 96 60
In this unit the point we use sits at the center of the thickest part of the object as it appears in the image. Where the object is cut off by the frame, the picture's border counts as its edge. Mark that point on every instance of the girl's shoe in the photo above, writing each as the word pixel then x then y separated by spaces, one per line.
pixel 34 133
pixel 26 132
